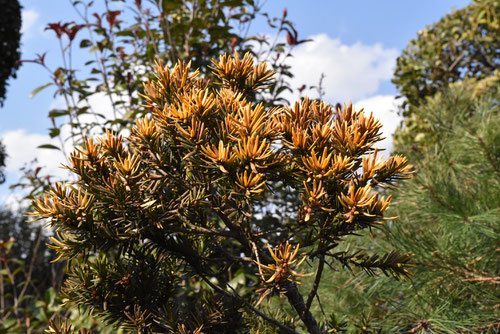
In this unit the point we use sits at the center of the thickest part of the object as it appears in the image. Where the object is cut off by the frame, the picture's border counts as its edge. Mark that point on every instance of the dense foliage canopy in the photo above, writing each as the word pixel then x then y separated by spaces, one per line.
pixel 463 44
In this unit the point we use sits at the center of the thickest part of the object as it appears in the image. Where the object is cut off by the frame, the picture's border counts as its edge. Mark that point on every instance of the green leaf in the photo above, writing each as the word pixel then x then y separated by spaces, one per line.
pixel 49 146
pixel 85 43
pixel 39 89
pixel 54 132
pixel 58 112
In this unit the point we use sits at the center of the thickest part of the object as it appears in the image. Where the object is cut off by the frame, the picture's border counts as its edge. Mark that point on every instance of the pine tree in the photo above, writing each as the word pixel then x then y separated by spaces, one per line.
pixel 450 215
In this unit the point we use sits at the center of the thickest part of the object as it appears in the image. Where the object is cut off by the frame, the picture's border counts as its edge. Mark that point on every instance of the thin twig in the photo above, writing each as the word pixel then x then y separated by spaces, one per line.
pixel 322 311
pixel 256 252
pixel 317 279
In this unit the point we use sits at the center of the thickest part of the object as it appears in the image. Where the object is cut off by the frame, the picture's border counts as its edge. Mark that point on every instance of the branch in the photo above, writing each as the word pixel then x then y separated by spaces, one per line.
pixel 297 301
pixel 193 229
pixel 324 314
pixel 315 287
pixel 475 277
pixel 486 60
pixel 236 231
pixel 256 252
pixel 294 297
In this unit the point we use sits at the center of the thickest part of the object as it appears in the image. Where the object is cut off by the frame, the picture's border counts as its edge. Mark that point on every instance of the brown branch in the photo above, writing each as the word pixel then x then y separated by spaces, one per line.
pixel 485 59
pixel 455 62
pixel 323 312
pixel 488 326
pixel 297 301
pixel 237 232
pixel 256 252
pixel 291 291
pixel 322 250
pixel 193 229
pixel 475 277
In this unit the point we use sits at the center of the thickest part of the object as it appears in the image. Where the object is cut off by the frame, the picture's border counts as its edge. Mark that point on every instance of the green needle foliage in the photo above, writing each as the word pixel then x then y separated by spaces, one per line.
pixel 162 230
pixel 450 214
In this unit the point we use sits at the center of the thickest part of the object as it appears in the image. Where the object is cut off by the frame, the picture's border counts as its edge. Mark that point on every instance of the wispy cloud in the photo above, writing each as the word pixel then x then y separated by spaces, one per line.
pixel 351 73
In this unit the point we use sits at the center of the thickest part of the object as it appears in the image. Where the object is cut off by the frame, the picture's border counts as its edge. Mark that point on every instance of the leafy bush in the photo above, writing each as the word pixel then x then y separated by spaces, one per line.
pixel 121 40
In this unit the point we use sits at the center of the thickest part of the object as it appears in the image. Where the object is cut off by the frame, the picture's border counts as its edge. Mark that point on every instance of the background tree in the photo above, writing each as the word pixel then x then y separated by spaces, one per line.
pixel 3 157
pixel 463 44
pixel 164 218
pixel 449 214
pixel 450 210
pixel 449 218
pixel 10 36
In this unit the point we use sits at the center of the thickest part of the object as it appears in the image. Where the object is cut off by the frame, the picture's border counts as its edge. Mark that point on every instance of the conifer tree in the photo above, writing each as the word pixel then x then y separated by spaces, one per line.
pixel 161 229
pixel 450 214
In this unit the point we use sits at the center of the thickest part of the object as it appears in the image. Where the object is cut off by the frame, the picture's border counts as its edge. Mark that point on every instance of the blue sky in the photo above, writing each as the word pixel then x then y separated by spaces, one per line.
pixel 355 45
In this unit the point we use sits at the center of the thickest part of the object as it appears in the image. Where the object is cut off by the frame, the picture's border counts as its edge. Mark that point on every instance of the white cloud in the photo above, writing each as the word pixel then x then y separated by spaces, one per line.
pixel 385 108
pixel 352 72
pixel 22 148
pixel 30 18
